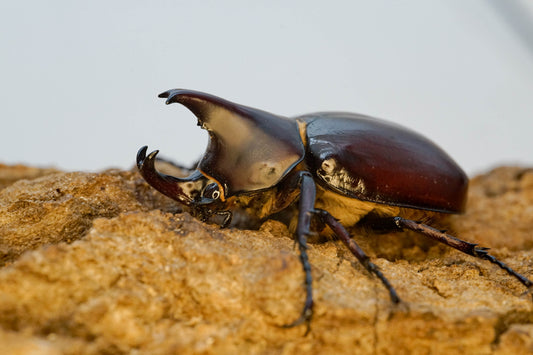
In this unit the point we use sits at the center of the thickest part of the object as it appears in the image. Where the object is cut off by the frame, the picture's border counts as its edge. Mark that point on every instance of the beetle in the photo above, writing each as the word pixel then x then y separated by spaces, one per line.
pixel 343 169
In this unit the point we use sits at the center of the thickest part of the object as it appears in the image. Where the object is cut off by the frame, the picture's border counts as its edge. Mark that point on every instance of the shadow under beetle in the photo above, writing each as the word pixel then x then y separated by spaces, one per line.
pixel 346 169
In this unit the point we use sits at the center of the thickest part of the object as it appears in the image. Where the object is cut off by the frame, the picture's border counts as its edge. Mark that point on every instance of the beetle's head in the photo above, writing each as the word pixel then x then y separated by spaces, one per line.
pixel 248 150
pixel 195 190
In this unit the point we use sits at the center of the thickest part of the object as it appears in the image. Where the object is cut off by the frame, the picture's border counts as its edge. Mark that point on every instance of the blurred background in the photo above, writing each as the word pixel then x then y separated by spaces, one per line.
pixel 79 79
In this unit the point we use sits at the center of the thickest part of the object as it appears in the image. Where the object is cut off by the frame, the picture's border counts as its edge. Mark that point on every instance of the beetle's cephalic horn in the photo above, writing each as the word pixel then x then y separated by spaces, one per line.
pixel 183 190
pixel 248 149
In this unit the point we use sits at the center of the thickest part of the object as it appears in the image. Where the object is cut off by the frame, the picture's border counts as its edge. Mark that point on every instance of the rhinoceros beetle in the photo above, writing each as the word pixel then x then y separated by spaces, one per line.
pixel 344 169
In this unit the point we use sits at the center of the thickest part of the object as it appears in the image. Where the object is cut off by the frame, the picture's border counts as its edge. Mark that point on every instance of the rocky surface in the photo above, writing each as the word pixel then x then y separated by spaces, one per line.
pixel 101 263
pixel 11 173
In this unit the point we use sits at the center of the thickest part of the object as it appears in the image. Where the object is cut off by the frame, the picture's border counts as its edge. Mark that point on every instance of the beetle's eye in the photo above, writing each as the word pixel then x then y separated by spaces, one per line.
pixel 211 191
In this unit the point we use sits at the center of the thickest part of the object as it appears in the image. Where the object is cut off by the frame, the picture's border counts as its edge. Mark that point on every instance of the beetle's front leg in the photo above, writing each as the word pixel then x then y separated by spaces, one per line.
pixel 305 214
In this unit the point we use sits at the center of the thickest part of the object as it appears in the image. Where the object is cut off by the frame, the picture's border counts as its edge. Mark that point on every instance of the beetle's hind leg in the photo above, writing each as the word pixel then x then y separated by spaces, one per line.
pixel 343 235
pixel 399 224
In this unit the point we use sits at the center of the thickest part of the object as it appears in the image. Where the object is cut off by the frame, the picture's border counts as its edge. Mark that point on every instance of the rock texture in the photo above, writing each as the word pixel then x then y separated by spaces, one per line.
pixel 101 263
pixel 11 173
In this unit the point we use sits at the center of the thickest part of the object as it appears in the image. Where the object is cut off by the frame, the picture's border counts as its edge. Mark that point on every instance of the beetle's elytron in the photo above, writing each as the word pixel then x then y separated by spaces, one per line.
pixel 343 168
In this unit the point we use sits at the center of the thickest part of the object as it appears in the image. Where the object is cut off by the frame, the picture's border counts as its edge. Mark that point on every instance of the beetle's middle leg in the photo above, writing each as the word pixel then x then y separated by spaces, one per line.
pixel 399 224
pixel 343 234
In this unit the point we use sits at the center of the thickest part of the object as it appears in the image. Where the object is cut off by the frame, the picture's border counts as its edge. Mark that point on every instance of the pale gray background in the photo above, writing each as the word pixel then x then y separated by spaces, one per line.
pixel 79 79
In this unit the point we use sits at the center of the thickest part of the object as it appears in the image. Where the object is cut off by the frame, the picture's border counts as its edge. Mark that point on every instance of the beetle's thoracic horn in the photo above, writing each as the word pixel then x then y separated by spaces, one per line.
pixel 183 190
pixel 249 149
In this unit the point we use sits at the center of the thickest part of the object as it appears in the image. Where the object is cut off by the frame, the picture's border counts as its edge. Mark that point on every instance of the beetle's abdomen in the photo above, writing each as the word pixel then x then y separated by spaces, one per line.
pixel 378 161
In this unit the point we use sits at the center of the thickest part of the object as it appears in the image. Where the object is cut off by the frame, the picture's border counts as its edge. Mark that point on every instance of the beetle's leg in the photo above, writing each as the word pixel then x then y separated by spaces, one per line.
pixel 228 215
pixel 468 248
pixel 183 190
pixel 306 208
pixel 343 234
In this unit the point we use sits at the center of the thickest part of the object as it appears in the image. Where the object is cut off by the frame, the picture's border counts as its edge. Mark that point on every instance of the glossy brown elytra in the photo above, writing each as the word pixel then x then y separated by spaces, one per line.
pixel 345 169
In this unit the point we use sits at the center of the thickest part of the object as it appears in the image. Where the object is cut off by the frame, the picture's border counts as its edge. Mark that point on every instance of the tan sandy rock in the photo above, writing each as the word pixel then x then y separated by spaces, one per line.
pixel 11 173
pixel 100 263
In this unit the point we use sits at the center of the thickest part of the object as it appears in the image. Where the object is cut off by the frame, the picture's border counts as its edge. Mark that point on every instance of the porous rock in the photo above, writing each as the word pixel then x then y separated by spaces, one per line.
pixel 100 263
pixel 11 173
